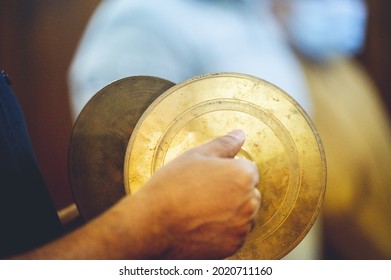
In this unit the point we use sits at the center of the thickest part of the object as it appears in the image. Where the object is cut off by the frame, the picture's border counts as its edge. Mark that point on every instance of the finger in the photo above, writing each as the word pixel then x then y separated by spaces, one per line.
pixel 255 204
pixel 246 172
pixel 253 217
pixel 225 146
pixel 248 211
pixel 258 197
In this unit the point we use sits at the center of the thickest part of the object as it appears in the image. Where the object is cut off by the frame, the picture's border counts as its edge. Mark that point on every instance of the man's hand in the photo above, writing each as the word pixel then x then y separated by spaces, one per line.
pixel 206 200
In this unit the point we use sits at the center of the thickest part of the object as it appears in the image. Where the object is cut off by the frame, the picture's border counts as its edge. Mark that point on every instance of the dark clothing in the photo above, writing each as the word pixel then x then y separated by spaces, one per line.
pixel 27 215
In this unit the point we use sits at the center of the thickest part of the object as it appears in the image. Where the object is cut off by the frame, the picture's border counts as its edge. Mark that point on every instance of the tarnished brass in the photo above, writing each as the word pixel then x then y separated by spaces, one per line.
pixel 281 140
pixel 100 137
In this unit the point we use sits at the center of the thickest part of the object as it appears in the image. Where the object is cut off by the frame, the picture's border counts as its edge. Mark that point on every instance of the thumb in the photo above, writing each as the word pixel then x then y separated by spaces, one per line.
pixel 225 146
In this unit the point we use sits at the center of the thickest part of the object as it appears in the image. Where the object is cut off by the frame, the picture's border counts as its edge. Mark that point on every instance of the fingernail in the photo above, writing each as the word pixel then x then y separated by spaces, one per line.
pixel 238 134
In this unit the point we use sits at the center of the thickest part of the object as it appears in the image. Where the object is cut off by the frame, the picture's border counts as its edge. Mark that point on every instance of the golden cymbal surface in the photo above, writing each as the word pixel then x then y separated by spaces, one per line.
pixel 281 141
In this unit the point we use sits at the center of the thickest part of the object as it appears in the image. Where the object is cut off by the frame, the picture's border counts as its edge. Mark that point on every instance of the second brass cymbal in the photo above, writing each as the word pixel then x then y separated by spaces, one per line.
pixel 100 137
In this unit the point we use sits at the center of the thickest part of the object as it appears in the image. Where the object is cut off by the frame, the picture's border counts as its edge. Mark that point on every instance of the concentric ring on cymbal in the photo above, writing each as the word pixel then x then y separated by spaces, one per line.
pixel 100 137
pixel 281 140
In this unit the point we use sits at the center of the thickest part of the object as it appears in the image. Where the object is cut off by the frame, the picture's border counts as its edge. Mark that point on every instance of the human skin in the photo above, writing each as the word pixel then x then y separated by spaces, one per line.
pixel 201 205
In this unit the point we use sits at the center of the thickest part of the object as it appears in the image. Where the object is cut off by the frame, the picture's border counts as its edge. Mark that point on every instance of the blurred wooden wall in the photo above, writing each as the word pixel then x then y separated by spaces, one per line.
pixel 38 39
pixel 377 54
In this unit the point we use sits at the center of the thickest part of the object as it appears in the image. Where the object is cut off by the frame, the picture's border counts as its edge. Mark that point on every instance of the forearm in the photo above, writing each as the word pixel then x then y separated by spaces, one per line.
pixel 113 235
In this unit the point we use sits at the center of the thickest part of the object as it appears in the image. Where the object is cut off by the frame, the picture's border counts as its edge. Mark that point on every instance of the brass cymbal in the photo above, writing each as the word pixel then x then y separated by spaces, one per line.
pixel 281 141
pixel 100 137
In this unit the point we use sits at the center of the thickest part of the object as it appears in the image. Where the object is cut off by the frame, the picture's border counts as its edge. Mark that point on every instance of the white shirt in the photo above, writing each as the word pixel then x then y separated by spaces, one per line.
pixel 179 39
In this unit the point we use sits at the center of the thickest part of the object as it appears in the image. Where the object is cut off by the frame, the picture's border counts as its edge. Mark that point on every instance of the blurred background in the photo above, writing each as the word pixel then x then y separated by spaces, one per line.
pixel 38 39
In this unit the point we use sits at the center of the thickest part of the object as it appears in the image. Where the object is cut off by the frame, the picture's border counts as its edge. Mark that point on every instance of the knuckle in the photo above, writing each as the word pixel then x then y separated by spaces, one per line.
pixel 246 173
pixel 250 208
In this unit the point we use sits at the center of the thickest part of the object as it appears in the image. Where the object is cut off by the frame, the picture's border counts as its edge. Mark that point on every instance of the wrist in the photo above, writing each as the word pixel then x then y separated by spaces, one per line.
pixel 140 227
